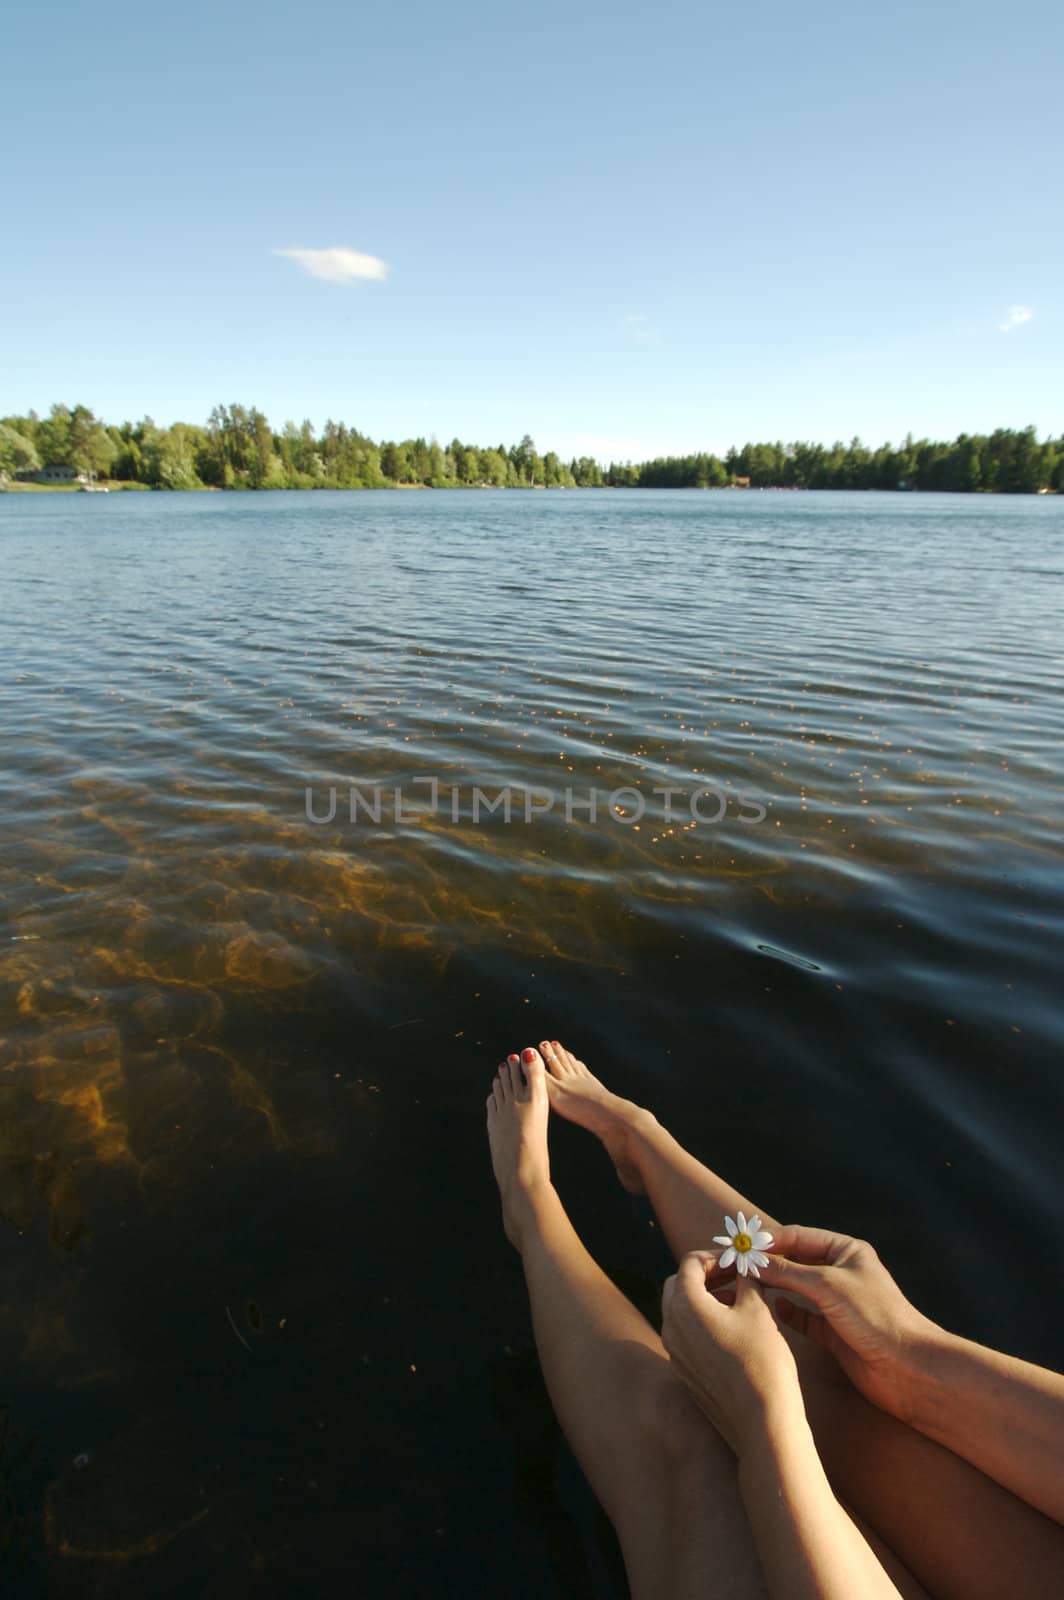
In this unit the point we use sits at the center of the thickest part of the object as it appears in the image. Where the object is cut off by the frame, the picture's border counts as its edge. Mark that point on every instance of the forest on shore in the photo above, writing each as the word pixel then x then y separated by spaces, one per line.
pixel 238 448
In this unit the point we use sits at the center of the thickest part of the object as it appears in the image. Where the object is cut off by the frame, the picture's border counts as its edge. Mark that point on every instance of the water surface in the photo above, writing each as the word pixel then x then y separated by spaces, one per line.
pixel 258 1325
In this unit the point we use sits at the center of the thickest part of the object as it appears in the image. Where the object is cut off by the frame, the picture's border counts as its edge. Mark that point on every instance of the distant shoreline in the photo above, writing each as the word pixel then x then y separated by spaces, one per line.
pixel 238 448
pixel 118 486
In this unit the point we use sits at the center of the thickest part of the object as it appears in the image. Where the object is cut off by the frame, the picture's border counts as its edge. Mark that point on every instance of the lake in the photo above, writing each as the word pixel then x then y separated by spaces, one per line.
pixel 260 1332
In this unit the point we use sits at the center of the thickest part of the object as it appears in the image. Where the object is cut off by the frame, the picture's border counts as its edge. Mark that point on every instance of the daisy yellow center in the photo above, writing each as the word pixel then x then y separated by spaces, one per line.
pixel 742 1243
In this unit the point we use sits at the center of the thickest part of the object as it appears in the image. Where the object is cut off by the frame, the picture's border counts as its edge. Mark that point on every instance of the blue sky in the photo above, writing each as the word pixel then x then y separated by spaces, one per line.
pixel 624 230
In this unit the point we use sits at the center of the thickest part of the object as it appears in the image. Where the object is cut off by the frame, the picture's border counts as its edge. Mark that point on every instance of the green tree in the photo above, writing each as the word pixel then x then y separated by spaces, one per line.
pixel 396 463
pixel 587 474
pixel 170 458
pixel 528 468
pixel 90 448
pixel 17 453
pixel 1024 472
pixel 493 468
pixel 53 437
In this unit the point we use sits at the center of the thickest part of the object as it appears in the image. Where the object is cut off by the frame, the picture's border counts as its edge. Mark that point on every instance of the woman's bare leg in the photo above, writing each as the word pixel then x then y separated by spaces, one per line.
pixel 664 1478
pixel 961 1534
pixel 689 1201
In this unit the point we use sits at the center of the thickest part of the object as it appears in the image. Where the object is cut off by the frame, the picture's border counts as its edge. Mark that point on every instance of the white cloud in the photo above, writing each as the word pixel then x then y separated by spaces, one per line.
pixel 1015 317
pixel 338 264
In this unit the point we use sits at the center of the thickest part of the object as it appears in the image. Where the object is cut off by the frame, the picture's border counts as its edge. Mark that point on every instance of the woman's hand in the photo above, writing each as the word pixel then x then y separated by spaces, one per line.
pixel 739 1370
pixel 733 1359
pixel 855 1310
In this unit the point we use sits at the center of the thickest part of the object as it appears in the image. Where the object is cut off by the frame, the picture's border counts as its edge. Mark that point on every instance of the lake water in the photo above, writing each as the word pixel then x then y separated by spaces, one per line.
pixel 260 1332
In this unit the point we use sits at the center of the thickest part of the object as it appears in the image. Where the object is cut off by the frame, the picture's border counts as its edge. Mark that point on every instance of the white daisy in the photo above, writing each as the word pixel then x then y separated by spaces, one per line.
pixel 744 1245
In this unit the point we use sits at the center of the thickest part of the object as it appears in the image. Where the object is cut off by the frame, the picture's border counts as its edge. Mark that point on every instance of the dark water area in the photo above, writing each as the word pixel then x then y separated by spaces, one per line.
pixel 260 1332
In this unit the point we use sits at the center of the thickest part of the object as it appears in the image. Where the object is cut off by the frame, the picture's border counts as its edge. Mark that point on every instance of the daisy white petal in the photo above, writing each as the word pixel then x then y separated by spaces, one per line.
pixel 753 1225
pixel 727 1258
pixel 741 1220
pixel 742 1265
pixel 721 1238
pixel 730 1225
pixel 757 1259
pixel 752 1268
pixel 760 1241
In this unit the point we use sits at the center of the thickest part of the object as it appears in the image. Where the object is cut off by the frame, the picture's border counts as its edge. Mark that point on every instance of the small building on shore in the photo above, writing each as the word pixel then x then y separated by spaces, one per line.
pixel 64 474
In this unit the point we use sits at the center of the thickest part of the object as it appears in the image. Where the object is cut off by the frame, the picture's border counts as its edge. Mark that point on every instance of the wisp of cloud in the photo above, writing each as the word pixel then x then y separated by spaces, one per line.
pixel 1015 317
pixel 338 264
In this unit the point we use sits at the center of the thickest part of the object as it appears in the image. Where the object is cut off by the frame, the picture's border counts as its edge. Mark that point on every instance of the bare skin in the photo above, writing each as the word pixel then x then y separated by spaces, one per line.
pixel 741 1373
pixel 1003 1415
pixel 665 1479
pixel 663 1474
pixel 964 1536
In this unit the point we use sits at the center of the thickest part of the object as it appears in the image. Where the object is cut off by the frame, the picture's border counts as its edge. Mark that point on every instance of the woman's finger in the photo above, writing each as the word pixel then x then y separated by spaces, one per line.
pixel 691 1273
pixel 707 1258
pixel 748 1297
pixel 795 1276
pixel 808 1323
pixel 812 1245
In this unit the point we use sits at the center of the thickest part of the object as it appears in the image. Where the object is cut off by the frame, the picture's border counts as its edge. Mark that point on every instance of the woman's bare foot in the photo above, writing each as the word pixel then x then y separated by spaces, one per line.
pixel 518 1110
pixel 577 1094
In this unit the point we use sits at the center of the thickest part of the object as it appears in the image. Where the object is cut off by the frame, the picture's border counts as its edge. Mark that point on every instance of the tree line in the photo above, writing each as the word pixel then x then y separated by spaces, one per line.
pixel 239 449
pixel 1007 461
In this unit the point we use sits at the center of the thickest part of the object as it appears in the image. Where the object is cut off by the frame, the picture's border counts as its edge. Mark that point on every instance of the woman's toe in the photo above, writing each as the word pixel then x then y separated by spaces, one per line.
pixel 555 1055
pixel 535 1073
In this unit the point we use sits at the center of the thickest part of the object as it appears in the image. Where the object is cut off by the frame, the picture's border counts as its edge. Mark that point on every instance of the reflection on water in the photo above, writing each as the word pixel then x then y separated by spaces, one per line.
pixel 254 1290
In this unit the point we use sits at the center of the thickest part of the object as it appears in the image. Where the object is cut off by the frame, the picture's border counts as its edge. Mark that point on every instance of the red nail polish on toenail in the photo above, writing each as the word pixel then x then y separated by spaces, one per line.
pixel 512 1059
pixel 529 1055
